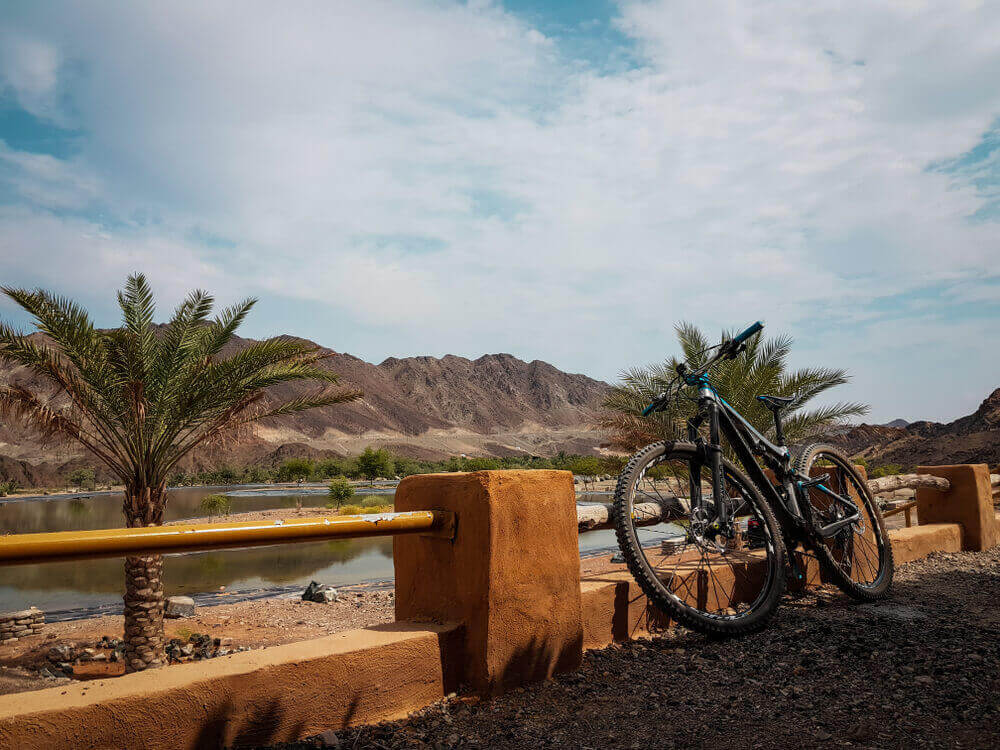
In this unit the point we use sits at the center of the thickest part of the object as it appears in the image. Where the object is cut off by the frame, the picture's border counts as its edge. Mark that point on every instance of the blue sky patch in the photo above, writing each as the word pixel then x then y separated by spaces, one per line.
pixel 583 29
pixel 22 131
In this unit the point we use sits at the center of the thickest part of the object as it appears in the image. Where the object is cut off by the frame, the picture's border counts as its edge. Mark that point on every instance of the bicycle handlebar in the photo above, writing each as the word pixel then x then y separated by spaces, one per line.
pixel 758 326
pixel 726 349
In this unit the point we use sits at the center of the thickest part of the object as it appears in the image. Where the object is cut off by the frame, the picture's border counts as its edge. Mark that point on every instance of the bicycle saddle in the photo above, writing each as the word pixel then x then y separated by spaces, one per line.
pixel 775 402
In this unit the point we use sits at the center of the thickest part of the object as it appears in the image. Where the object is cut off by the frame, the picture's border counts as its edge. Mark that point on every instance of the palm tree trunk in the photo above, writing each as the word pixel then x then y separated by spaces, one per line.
pixel 144 613
pixel 144 641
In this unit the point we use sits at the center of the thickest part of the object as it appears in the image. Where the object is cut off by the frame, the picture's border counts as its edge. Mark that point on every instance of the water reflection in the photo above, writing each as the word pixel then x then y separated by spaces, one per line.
pixel 89 583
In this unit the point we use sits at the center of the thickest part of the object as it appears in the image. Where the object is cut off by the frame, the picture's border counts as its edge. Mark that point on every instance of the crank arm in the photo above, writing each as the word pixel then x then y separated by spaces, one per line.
pixel 832 528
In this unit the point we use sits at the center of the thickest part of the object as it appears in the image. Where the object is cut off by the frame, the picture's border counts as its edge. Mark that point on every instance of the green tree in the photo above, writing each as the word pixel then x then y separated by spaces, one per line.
pixel 480 463
pixel 614 465
pixel 760 369
pixel 405 467
pixel 82 478
pixel 295 469
pixel 215 505
pixel 226 475
pixel 140 399
pixel 255 475
pixel 373 464
pixel 333 467
pixel 587 466
pixel 340 490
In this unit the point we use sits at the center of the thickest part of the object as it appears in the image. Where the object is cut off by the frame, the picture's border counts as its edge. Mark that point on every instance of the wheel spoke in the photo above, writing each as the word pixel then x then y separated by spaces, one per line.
pixel 705 571
pixel 860 556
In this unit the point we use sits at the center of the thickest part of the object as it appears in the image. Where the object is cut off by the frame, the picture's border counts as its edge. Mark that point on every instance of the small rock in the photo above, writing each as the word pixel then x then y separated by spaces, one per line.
pixel 319 592
pixel 328 738
pixel 179 606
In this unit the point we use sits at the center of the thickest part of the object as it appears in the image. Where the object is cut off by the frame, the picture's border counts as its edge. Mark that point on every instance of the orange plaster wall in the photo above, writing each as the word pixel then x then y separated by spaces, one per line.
pixel 511 575
pixel 278 694
pixel 968 502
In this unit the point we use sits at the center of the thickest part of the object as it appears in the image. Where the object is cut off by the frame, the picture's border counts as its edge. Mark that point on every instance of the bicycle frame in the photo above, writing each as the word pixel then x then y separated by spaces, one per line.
pixel 747 442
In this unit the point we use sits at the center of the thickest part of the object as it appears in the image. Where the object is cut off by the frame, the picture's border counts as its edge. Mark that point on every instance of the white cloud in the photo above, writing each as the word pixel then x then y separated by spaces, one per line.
pixel 768 161
pixel 30 68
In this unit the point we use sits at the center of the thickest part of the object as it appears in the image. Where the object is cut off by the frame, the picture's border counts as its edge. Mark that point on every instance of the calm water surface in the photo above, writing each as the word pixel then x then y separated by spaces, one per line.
pixel 66 585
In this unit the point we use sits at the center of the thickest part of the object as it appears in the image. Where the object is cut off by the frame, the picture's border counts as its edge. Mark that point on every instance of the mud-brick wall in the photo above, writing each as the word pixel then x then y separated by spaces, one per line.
pixel 14 625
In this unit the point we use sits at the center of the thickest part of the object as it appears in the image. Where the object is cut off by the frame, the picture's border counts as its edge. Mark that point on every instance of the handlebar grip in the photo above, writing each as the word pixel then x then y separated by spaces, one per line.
pixel 758 326
pixel 657 403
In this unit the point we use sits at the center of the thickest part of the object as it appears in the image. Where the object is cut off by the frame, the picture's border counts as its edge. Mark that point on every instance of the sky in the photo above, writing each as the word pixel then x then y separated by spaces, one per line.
pixel 561 181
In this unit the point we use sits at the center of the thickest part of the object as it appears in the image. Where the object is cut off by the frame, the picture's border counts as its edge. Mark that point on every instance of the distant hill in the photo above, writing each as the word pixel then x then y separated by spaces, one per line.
pixel 897 423
pixel 971 439
pixel 424 407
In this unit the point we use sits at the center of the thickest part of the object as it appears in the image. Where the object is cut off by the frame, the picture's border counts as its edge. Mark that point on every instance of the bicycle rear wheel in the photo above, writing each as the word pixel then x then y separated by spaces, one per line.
pixel 858 559
pixel 714 580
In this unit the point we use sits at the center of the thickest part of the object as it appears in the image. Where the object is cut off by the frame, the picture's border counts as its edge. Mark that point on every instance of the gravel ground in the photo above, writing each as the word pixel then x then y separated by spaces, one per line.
pixel 921 670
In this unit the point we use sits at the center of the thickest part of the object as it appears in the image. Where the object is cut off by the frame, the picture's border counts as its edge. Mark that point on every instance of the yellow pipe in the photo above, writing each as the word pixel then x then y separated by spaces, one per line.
pixel 20 549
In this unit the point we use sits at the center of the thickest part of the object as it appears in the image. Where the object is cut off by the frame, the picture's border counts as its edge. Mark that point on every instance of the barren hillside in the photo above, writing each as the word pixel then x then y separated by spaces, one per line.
pixel 971 439
pixel 426 407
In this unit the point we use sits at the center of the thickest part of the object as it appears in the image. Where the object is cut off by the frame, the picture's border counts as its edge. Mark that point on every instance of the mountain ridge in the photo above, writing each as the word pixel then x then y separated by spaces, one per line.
pixel 421 406
pixel 974 438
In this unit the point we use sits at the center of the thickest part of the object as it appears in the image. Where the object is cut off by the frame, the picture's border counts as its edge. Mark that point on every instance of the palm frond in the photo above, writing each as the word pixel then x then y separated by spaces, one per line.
pixel 760 369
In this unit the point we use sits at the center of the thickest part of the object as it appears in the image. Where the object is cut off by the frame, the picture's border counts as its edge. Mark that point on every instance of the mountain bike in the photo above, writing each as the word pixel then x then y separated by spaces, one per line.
pixel 712 538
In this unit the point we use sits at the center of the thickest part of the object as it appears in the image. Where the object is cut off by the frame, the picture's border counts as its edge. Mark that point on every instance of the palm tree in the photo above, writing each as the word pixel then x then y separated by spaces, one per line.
pixel 141 399
pixel 760 369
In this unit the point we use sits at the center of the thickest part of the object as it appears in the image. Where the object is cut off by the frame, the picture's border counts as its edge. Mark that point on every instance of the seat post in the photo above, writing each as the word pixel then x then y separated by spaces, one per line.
pixel 778 432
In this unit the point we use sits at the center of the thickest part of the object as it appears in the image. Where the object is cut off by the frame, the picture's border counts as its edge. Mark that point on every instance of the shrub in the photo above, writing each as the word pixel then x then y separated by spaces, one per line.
pixel 886 470
pixel 82 478
pixel 350 510
pixel 215 505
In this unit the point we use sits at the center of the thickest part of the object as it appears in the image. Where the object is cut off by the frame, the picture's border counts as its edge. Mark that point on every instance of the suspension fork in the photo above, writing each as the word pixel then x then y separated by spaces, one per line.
pixel 714 451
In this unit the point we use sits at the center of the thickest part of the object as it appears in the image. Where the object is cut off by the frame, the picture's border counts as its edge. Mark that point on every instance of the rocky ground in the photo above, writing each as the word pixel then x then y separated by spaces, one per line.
pixel 921 670
pixel 88 649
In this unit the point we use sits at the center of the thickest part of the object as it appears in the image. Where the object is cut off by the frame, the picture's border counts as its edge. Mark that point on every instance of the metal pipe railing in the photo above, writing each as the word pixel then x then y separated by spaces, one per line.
pixel 20 549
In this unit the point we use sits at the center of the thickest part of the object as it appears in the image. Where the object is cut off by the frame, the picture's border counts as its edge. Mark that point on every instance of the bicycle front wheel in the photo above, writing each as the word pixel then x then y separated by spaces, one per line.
pixel 719 579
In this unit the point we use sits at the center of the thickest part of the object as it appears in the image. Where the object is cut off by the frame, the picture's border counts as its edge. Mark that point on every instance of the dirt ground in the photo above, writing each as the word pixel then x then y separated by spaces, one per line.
pixel 248 624
pixel 920 670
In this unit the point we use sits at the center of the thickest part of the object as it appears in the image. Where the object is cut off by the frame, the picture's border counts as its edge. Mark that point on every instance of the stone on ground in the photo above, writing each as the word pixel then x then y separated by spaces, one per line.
pixel 179 606
pixel 319 592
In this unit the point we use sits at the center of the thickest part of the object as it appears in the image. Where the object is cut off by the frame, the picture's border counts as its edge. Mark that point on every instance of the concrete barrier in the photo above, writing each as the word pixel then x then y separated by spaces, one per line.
pixel 968 501
pixel 511 575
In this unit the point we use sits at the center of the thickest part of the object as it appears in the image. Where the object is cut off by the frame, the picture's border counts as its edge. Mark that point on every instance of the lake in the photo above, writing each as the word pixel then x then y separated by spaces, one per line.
pixel 97 584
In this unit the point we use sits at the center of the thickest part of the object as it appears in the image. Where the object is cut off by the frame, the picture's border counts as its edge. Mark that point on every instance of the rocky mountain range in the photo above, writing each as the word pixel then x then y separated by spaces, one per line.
pixel 423 407
pixel 971 439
